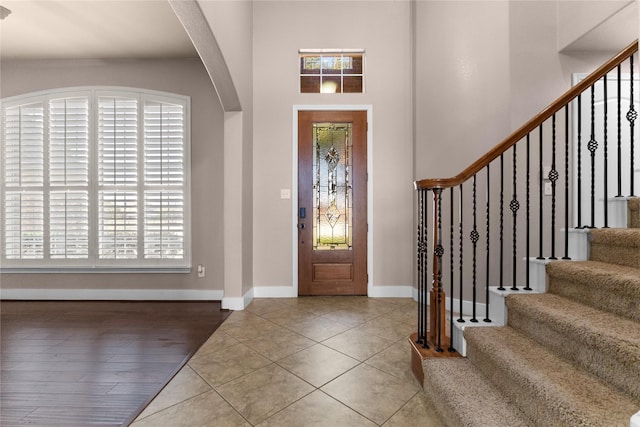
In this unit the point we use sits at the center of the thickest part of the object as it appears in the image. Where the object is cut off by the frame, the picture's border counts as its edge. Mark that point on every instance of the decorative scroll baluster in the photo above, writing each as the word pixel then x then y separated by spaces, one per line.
pixel 475 236
pixel 566 183
pixel 553 177
pixel 487 246
pixel 422 269
pixel 528 216
pixel 606 155
pixel 437 296
pixel 451 349
pixel 540 197
pixel 460 236
pixel 592 146
pixel 579 191
pixel 632 115
pixel 514 205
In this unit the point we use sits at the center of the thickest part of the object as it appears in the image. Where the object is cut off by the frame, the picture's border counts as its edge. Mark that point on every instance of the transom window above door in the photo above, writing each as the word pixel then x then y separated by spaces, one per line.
pixel 331 71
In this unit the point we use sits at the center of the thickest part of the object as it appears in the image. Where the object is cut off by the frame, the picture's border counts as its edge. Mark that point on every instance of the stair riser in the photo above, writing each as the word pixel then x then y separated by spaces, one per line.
pixel 633 213
pixel 518 391
pixel 597 357
pixel 620 255
pixel 607 299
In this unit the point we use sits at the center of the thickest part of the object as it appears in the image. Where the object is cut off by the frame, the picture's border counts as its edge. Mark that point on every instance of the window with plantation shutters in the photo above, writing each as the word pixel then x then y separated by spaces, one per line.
pixel 95 178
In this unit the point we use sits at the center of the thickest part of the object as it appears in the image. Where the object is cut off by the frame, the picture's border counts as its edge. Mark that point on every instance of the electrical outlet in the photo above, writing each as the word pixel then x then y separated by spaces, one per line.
pixel 285 193
pixel 548 189
pixel 201 271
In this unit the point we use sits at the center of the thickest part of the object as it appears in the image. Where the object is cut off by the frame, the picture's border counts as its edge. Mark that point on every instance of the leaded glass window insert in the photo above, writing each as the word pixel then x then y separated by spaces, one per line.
pixel 332 200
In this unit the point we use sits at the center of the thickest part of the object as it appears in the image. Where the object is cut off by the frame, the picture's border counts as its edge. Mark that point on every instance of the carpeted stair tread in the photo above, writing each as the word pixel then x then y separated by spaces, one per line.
pixel 463 397
pixel 547 389
pixel 608 287
pixel 616 246
pixel 604 344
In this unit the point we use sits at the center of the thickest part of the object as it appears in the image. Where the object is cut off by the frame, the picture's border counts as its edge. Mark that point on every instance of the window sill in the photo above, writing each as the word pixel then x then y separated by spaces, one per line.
pixel 93 270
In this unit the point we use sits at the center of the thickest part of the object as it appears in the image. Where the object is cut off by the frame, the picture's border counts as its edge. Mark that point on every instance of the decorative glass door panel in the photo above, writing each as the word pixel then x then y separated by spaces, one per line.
pixel 332 187
pixel 332 203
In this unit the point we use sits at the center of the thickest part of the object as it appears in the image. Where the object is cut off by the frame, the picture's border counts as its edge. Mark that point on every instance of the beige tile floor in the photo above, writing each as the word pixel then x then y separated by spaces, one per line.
pixel 309 361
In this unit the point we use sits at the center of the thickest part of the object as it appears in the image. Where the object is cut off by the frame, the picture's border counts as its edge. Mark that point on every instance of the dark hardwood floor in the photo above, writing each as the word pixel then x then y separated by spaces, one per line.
pixel 93 363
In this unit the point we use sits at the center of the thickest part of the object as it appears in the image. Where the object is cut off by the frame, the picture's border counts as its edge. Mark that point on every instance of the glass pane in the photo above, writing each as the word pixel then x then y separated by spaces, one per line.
pixel 332 64
pixel 352 64
pixel 332 186
pixel 331 84
pixel 309 64
pixel 309 84
pixel 352 84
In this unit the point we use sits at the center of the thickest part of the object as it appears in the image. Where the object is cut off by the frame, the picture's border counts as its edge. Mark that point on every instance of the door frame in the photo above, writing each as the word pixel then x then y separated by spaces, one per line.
pixel 294 186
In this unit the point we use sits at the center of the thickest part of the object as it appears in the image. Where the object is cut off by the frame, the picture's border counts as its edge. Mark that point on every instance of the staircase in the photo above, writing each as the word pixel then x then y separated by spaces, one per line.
pixel 568 357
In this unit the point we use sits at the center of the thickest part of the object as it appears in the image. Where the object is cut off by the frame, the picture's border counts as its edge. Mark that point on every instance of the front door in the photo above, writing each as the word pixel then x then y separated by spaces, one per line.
pixel 332 203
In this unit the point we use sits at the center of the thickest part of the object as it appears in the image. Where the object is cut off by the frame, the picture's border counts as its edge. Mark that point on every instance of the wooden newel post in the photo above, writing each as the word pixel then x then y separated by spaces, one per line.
pixel 437 296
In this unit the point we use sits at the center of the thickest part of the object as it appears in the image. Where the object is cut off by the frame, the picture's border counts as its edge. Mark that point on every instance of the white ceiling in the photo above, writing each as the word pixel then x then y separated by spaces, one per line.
pixel 56 29
pixel 150 29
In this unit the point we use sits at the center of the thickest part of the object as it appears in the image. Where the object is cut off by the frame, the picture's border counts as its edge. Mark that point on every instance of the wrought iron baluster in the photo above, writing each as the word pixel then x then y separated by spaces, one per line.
pixel 579 190
pixel 461 240
pixel 475 236
pixel 420 240
pixel 540 196
pixel 566 183
pixel 514 205
pixel 632 115
pixel 553 177
pixel 501 287
pixel 451 349
pixel 619 104
pixel 528 215
pixel 488 247
pixel 592 146
pixel 437 272
pixel 606 155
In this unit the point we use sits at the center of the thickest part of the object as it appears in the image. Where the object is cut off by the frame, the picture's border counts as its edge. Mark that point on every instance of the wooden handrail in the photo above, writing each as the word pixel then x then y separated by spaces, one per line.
pixel 528 127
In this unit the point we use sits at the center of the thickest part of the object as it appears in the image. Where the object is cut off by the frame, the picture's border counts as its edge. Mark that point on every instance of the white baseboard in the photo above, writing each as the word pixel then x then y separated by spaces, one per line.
pixel 274 292
pixel 238 303
pixel 112 294
pixel 374 292
pixel 635 420
pixel 391 292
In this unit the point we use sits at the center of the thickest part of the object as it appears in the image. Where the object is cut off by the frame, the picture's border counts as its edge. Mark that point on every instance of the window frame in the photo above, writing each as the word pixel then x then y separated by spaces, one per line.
pixel 321 75
pixel 93 263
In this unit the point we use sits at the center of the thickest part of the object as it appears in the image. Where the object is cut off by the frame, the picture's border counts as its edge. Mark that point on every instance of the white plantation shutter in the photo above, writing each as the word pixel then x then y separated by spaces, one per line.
pixel 23 179
pixel 118 225
pixel 117 176
pixel 24 145
pixel 69 224
pixel 164 227
pixel 69 141
pixel 24 225
pixel 117 140
pixel 69 178
pixel 163 144
pixel 95 178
